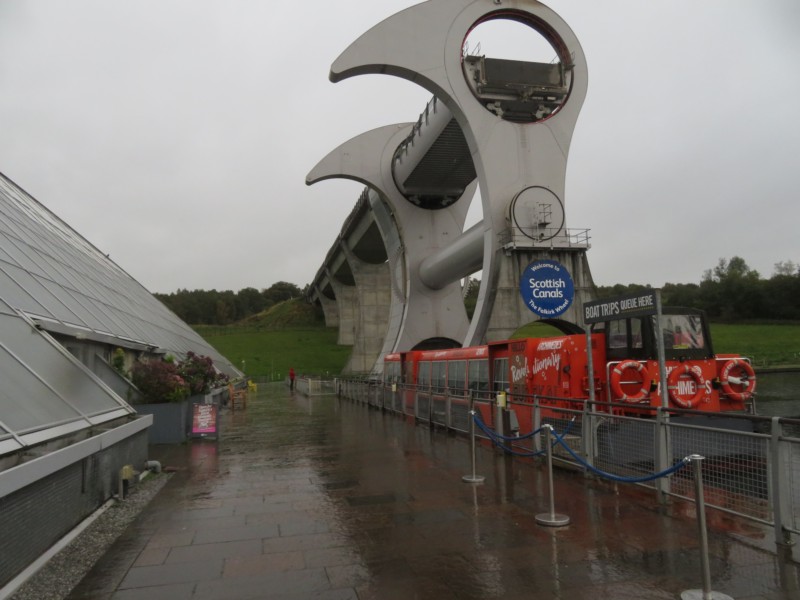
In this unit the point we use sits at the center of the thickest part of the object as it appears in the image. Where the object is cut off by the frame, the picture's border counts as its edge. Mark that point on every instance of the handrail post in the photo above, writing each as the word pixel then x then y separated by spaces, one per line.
pixel 700 508
pixel 473 478
pixel 780 493
pixel 663 453
pixel 550 519
pixel 587 432
pixel 537 423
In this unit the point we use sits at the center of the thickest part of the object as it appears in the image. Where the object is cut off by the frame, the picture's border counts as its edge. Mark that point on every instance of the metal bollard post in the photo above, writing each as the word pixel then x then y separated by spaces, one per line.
pixel 473 478
pixel 700 506
pixel 550 519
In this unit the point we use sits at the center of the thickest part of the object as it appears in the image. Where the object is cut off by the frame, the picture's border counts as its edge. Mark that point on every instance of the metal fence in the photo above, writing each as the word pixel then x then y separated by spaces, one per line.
pixel 315 387
pixel 751 467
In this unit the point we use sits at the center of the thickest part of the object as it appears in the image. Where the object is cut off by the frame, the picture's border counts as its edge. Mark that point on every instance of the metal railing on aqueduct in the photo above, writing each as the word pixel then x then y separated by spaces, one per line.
pixel 752 464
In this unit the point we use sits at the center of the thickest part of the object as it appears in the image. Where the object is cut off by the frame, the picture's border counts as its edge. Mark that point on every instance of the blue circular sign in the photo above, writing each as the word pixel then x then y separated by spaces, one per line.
pixel 547 288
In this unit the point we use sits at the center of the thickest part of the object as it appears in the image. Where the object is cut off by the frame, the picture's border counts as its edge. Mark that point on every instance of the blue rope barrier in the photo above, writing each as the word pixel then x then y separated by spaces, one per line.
pixel 495 437
pixel 666 472
pixel 509 438
pixel 559 439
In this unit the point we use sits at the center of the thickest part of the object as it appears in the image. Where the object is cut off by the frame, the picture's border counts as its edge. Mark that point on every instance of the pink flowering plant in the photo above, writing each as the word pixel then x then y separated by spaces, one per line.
pixel 199 374
pixel 159 381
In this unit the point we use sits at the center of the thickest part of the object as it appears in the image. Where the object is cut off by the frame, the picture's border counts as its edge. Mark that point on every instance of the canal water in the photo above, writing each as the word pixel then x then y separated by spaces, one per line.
pixel 778 394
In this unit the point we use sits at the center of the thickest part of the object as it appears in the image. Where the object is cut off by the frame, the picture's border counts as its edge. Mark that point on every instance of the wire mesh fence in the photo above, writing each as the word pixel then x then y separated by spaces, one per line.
pixel 751 464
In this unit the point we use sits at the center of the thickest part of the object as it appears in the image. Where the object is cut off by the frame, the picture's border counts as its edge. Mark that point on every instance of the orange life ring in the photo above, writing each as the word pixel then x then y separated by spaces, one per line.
pixel 616 381
pixel 672 386
pixel 749 380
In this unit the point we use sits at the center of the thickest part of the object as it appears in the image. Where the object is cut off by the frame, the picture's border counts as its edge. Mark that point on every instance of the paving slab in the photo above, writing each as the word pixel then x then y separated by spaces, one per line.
pixel 304 498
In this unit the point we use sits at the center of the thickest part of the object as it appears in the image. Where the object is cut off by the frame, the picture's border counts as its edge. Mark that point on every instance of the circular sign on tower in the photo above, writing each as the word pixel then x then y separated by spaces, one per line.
pixel 547 288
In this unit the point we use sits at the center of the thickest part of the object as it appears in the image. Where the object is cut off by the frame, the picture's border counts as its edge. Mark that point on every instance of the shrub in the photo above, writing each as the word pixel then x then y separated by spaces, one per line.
pixel 199 374
pixel 159 381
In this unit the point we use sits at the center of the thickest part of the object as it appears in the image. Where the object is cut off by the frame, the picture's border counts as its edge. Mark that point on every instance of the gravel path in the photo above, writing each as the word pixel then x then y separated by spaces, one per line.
pixel 65 570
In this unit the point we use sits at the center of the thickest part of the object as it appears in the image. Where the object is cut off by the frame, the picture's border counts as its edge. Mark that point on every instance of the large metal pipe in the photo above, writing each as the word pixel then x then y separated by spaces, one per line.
pixel 458 260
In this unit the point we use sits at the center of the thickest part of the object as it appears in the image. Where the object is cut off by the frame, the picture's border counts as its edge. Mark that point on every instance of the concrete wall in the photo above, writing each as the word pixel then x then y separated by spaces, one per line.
pixel 510 313
pixel 36 516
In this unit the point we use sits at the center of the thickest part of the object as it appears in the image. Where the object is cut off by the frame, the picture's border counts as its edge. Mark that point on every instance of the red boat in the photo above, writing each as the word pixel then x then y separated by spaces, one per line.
pixel 555 369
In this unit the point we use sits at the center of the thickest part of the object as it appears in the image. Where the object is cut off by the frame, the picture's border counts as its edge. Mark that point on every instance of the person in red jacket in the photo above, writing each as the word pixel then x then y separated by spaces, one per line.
pixel 291 378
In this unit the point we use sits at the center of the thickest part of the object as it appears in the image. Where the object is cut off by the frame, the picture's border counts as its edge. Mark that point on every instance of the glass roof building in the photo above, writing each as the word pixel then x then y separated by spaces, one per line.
pixel 55 285
pixel 65 308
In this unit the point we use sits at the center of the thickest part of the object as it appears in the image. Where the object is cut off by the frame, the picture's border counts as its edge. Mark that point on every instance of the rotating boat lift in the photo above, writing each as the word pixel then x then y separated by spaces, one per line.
pixel 501 124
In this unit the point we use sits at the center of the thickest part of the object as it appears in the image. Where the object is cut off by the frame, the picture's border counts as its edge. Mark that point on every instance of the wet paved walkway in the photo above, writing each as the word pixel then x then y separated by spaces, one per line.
pixel 320 498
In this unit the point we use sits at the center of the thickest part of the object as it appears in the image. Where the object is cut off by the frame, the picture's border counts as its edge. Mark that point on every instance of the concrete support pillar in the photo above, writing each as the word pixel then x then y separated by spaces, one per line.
pixel 330 309
pixel 347 309
pixel 372 302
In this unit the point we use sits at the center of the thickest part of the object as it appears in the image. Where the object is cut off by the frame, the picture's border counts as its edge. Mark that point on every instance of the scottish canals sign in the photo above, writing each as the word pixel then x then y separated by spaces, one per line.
pixel 547 288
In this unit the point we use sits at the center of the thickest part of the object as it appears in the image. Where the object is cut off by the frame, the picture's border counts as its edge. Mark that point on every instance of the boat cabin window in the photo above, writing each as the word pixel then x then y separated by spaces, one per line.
pixel 424 375
pixel 391 372
pixel 683 334
pixel 625 338
pixel 438 376
pixel 457 377
pixel 625 333
pixel 479 375
pixel 500 383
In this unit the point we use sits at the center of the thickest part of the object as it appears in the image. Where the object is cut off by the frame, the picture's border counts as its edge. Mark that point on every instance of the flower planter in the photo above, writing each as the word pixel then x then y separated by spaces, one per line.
pixel 170 421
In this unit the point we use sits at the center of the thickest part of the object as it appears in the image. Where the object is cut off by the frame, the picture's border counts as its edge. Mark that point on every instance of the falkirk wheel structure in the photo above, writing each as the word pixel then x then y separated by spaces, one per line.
pixel 392 281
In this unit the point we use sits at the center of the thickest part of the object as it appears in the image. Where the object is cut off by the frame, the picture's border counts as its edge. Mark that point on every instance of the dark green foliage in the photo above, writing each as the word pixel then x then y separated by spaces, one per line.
pixel 211 307
pixel 732 292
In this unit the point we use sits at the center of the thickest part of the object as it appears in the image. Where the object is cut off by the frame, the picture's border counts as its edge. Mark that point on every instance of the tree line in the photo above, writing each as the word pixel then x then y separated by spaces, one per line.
pixel 730 291
pixel 212 307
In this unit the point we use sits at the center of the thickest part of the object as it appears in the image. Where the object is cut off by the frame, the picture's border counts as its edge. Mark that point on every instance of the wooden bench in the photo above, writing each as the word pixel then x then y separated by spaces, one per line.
pixel 236 397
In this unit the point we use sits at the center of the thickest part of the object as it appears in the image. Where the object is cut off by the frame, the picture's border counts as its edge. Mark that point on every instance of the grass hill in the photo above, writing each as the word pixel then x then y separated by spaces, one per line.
pixel 289 334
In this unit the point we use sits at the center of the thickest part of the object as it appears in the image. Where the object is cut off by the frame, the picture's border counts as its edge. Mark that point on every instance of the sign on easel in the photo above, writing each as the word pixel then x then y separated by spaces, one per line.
pixel 204 420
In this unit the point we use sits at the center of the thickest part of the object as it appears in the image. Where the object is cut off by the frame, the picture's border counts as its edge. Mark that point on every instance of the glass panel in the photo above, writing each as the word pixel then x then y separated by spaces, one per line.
pixel 636 333
pixel 456 377
pixel 424 377
pixel 500 375
pixel 479 375
pixel 438 376
pixel 682 332
pixel 617 332
pixel 42 386
pixel 14 294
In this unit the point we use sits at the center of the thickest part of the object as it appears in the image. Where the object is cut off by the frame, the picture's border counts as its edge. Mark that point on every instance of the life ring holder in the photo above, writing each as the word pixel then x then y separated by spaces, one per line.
pixel 672 386
pixel 725 382
pixel 616 381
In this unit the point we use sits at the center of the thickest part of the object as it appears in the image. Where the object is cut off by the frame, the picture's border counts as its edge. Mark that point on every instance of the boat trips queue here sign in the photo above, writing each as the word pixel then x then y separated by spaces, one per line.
pixel 640 304
pixel 547 288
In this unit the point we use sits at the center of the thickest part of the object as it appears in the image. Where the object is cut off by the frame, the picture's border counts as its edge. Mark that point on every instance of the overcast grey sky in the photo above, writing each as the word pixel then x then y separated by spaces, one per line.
pixel 175 135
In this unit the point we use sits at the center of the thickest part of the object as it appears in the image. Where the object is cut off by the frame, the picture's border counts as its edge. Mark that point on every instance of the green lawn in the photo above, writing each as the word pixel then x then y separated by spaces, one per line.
pixel 766 345
pixel 269 353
